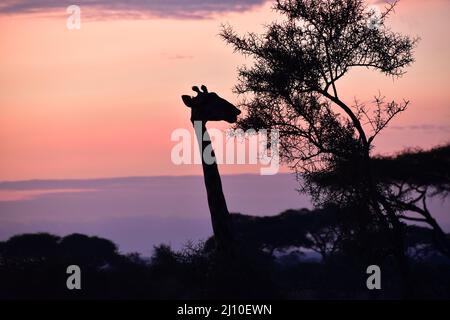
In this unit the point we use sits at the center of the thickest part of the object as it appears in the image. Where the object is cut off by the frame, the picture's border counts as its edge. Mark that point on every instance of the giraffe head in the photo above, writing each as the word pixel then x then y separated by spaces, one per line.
pixel 208 106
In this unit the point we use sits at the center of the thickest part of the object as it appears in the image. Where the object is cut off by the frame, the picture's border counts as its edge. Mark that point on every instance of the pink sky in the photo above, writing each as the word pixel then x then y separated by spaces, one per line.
pixel 103 101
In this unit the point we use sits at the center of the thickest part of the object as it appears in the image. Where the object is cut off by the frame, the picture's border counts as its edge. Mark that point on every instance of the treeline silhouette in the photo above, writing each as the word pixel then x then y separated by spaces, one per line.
pixel 274 261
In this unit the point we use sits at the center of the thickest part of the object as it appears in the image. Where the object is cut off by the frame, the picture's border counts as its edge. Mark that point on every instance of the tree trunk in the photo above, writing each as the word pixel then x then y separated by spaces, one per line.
pixel 398 232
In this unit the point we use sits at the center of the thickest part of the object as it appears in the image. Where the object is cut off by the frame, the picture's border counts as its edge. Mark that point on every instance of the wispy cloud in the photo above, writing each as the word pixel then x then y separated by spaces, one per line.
pixel 177 56
pixel 181 9
pixel 424 127
pixel 19 195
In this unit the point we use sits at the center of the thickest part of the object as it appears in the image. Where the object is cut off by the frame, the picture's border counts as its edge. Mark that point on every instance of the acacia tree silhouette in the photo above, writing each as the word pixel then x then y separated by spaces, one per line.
pixel 292 87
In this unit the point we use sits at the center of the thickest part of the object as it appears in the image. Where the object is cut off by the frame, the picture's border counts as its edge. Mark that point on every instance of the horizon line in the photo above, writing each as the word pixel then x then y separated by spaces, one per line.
pixel 135 177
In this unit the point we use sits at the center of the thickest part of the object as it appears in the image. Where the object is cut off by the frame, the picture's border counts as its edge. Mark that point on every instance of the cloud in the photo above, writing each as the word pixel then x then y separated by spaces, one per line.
pixel 181 9
pixel 423 127
pixel 180 57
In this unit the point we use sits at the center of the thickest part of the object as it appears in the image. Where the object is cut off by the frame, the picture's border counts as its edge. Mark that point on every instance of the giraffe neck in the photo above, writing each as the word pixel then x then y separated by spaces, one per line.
pixel 220 216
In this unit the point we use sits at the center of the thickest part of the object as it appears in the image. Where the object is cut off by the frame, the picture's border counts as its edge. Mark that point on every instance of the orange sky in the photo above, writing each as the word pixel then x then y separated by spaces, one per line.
pixel 103 101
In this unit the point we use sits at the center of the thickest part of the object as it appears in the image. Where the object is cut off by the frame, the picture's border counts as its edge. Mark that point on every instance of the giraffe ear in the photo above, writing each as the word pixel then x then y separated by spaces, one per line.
pixel 188 101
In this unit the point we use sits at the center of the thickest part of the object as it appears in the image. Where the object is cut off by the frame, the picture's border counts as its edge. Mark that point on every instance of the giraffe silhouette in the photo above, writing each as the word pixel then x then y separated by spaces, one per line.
pixel 208 106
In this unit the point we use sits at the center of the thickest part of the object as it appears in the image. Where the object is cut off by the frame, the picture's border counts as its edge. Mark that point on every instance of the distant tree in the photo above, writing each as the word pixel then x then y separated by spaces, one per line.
pixel 163 255
pixel 409 180
pixel 412 178
pixel 292 86
pixel 33 248
pixel 92 251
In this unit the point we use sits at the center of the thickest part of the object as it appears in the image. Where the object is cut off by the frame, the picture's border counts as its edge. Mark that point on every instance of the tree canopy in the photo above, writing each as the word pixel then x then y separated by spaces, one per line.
pixel 292 84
